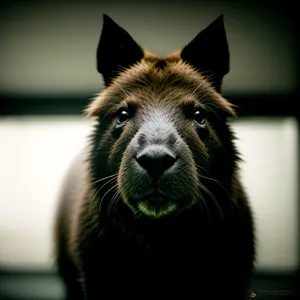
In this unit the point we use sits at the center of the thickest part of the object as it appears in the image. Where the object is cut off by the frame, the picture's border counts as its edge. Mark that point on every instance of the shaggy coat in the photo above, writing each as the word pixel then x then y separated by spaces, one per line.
pixel 154 207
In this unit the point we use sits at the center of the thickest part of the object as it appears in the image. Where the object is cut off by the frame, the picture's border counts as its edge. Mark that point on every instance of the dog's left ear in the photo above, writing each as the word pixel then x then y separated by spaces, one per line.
pixel 208 53
pixel 116 50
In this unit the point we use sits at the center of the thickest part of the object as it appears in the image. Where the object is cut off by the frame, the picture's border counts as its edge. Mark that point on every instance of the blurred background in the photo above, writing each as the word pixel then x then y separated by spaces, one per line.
pixel 48 74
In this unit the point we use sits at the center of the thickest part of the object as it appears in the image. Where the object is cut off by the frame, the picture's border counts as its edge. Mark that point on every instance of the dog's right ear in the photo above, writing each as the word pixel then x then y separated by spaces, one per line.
pixel 116 50
pixel 208 52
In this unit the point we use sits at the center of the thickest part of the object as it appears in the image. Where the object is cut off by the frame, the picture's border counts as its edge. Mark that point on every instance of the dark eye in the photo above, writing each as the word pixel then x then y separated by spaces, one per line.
pixel 123 115
pixel 199 117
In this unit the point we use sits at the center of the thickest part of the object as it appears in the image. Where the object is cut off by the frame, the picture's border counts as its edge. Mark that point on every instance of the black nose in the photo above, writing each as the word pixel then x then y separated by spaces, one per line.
pixel 156 160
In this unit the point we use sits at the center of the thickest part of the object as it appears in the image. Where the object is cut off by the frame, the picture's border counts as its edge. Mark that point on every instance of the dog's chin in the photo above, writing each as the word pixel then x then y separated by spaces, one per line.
pixel 156 206
pixel 155 201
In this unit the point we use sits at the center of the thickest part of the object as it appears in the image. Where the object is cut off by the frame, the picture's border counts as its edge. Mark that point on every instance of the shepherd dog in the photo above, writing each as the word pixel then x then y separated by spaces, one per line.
pixel 153 206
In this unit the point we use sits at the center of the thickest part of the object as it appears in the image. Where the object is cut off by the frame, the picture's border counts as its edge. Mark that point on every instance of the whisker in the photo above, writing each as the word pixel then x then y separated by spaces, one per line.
pixel 137 214
pixel 220 184
pixel 202 168
pixel 214 200
pixel 94 196
pixel 109 181
pixel 112 201
pixel 114 205
pixel 212 179
pixel 114 186
pixel 204 204
pixel 99 180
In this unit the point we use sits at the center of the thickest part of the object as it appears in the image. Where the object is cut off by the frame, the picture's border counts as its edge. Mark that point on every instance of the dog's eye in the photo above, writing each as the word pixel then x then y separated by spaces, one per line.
pixel 123 115
pixel 199 117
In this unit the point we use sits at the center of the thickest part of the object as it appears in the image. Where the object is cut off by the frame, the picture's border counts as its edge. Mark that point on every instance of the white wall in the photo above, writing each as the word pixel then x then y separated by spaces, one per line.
pixel 35 152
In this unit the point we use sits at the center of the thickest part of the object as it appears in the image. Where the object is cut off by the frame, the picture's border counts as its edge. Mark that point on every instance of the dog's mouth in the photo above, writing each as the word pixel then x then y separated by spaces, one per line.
pixel 157 180
pixel 156 205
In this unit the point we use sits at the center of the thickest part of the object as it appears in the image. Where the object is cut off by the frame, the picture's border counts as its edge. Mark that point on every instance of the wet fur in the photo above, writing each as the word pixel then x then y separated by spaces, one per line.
pixel 106 248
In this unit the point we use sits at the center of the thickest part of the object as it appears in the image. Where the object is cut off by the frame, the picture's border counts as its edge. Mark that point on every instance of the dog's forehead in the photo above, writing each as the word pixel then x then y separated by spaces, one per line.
pixel 160 76
pixel 156 80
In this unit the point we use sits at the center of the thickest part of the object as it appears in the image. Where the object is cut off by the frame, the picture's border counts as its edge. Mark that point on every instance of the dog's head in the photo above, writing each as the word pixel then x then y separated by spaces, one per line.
pixel 161 135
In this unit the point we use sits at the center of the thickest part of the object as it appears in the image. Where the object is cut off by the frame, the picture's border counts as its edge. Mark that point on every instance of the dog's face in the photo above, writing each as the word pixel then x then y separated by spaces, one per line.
pixel 162 124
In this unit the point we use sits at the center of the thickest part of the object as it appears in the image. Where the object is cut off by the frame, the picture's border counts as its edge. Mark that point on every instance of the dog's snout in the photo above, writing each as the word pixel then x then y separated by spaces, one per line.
pixel 156 160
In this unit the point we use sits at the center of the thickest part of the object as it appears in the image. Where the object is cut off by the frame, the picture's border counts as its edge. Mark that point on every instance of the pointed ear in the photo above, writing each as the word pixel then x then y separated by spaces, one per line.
pixel 208 52
pixel 116 50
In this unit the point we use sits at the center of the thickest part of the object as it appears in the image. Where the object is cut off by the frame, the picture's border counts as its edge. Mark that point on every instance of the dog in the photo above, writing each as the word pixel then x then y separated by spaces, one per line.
pixel 154 207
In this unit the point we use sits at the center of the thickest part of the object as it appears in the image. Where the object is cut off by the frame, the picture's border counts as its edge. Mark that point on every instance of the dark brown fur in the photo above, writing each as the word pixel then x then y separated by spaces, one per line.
pixel 107 248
